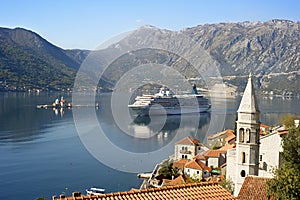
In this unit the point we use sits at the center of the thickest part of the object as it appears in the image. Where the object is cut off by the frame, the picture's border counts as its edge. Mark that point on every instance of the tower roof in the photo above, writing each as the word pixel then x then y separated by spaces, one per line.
pixel 249 103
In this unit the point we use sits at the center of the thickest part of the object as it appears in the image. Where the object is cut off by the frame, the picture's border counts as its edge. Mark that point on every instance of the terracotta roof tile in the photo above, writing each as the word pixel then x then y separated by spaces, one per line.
pixel 214 153
pixel 189 141
pixel 193 164
pixel 199 157
pixel 230 136
pixel 254 187
pixel 180 164
pixel 204 190
pixel 226 147
pixel 177 181
pixel 264 126
pixel 283 132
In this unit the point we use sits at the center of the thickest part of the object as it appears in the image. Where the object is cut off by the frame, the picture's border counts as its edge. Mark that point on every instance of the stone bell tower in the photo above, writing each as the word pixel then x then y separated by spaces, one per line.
pixel 247 144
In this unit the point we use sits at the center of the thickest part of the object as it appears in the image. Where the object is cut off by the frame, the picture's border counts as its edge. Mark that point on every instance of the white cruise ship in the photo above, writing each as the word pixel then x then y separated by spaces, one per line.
pixel 166 103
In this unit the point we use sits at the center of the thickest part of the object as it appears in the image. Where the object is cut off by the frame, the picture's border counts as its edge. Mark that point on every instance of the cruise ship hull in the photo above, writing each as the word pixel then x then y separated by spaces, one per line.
pixel 158 110
pixel 164 103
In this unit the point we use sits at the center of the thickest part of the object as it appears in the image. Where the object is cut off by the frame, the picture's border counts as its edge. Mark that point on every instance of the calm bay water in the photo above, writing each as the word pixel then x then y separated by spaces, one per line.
pixel 41 153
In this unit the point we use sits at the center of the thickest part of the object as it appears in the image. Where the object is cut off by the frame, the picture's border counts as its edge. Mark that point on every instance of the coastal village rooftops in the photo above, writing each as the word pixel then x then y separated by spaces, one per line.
pixel 180 164
pixel 227 147
pixel 214 153
pixel 230 136
pixel 264 126
pixel 177 181
pixel 254 187
pixel 193 164
pixel 189 141
pixel 220 134
pixel 204 190
pixel 199 157
pixel 283 132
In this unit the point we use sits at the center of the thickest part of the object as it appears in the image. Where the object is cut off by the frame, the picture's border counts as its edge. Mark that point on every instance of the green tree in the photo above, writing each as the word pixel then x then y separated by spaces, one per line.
pixel 288 120
pixel 168 171
pixel 285 184
pixel 228 185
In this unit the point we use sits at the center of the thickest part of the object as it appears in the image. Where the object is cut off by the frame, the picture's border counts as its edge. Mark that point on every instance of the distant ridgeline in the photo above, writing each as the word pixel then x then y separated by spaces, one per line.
pixel 270 50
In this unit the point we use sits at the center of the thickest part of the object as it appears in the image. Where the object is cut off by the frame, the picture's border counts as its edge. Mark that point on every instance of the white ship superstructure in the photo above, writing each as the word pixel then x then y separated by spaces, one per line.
pixel 166 103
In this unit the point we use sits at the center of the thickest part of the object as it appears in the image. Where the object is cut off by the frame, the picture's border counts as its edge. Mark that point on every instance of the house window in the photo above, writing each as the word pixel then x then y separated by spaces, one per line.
pixel 182 148
pixel 185 156
pixel 182 156
pixel 243 157
pixel 197 172
pixel 260 157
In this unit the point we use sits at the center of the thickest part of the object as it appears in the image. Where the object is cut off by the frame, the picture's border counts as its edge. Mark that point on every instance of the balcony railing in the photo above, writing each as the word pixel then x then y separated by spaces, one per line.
pixel 185 151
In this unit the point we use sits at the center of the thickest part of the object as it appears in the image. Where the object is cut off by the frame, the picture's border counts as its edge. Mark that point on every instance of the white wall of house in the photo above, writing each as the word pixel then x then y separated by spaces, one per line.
pixel 213 161
pixel 193 173
pixel 231 164
pixel 270 147
pixel 201 149
pixel 184 151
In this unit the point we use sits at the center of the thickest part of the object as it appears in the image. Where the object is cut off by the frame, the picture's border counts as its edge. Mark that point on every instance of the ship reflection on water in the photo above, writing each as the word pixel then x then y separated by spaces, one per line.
pixel 164 128
pixel 148 133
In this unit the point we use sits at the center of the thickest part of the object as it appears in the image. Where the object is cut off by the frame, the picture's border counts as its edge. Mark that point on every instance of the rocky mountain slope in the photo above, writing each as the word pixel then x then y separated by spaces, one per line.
pixel 270 50
pixel 27 61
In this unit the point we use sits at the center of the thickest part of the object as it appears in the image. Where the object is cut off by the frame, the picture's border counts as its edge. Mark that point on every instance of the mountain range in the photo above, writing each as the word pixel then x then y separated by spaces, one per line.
pixel 270 50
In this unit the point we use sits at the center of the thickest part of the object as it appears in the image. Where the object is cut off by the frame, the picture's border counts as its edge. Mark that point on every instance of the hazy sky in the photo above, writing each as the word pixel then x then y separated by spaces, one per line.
pixel 87 24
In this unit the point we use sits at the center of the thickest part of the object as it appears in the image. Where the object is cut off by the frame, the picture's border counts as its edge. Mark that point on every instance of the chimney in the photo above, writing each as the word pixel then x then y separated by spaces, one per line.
pixel 296 121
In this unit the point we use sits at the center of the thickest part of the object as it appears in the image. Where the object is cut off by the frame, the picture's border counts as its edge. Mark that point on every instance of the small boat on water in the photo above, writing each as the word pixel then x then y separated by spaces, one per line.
pixel 95 191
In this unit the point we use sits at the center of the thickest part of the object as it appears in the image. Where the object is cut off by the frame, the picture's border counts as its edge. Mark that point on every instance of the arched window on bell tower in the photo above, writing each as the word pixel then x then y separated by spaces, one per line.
pixel 243 157
pixel 247 136
pixel 241 135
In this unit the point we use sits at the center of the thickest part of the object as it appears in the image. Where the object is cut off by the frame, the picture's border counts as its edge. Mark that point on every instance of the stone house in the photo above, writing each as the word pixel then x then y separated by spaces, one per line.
pixel 269 152
pixel 215 158
pixel 196 169
pixel 187 148
pixel 218 139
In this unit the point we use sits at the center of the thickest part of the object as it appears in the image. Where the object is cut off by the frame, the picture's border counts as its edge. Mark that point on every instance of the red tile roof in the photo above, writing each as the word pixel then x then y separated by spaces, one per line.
pixel 227 147
pixel 189 141
pixel 214 153
pixel 230 136
pixel 199 157
pixel 193 164
pixel 177 181
pixel 180 164
pixel 264 126
pixel 204 190
pixel 283 132
pixel 254 187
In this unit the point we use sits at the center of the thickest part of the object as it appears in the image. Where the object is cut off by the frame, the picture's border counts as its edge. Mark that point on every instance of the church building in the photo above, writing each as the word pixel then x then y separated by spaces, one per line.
pixel 244 159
